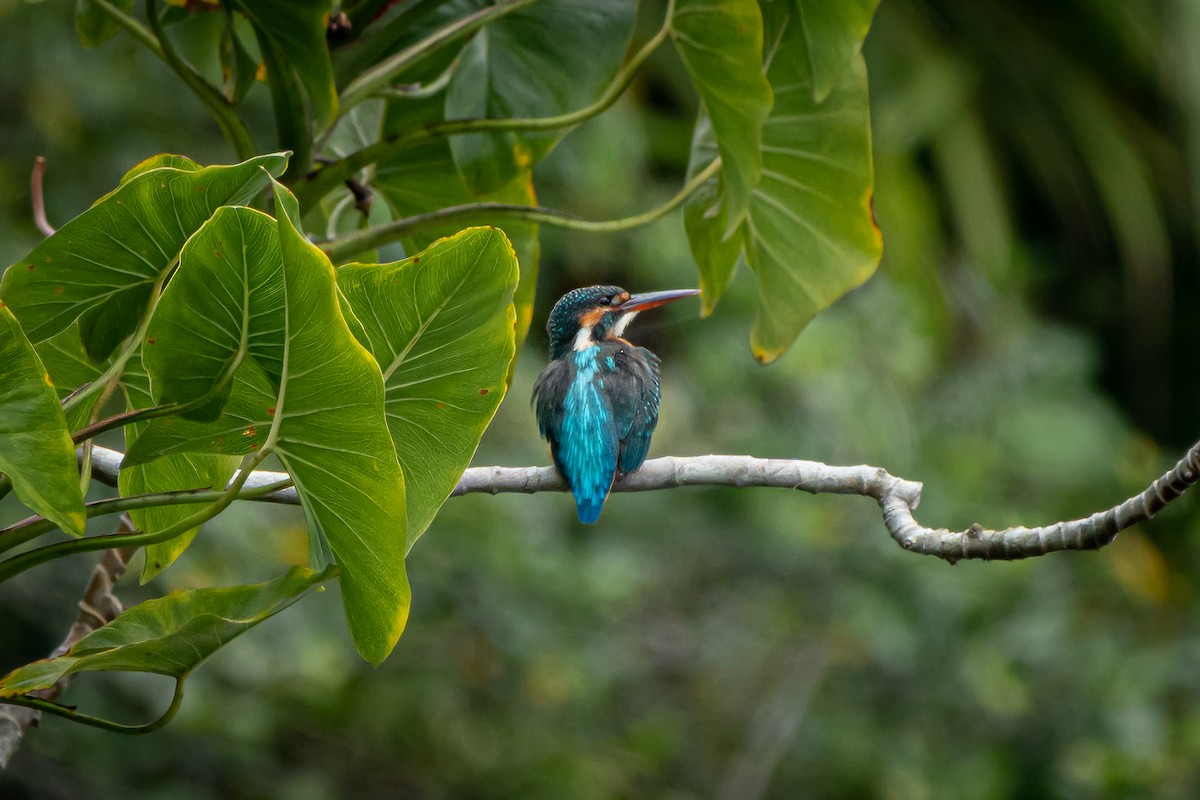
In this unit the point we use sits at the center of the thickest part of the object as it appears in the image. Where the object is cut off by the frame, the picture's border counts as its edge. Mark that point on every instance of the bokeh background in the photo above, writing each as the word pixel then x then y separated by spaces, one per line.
pixel 1027 350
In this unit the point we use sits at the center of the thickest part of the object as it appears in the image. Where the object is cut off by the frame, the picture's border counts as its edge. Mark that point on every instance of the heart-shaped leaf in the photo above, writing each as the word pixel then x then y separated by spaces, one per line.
pixel 440 324
pixel 36 451
pixel 103 264
pixel 810 235
pixel 168 635
pixel 324 417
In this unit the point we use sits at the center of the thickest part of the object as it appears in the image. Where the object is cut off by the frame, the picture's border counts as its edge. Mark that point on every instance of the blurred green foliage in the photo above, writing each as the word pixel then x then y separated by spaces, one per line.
pixel 1025 351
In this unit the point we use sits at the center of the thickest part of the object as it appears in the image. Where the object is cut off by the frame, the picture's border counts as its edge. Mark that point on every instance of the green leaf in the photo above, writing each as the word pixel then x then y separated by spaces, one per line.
pixel 833 34
pixel 224 303
pixel 69 368
pixel 168 635
pixel 297 29
pixel 547 59
pixel 424 179
pixel 810 236
pixel 704 220
pixel 325 420
pixel 161 160
pixel 440 324
pixel 36 451
pixel 103 264
pixel 94 25
pixel 169 473
pixel 721 43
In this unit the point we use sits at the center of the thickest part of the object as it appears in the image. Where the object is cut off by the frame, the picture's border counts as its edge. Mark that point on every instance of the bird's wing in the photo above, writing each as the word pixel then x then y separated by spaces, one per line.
pixel 635 404
pixel 575 416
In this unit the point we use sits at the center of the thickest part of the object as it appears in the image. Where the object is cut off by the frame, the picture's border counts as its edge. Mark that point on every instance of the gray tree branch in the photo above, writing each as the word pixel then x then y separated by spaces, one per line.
pixel 897 498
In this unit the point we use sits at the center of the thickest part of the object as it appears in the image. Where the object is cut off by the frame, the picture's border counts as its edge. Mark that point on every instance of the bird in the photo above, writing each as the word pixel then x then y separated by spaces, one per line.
pixel 596 402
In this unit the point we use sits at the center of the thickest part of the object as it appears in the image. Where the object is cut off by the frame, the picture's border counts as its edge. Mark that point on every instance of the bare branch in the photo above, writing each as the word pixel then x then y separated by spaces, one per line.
pixel 39 197
pixel 98 606
pixel 898 498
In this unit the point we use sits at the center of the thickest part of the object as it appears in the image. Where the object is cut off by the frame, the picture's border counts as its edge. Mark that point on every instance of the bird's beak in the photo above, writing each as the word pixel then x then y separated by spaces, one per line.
pixel 640 302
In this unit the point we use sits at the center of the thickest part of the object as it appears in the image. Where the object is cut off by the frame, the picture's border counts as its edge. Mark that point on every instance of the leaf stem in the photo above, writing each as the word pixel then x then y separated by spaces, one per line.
pixel 67 712
pixel 316 185
pixel 231 125
pixel 346 246
pixel 28 529
pixel 123 419
pixel 19 563
pixel 385 71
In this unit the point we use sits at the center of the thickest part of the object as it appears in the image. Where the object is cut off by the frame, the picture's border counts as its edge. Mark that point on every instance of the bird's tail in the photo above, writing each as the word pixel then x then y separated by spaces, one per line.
pixel 589 507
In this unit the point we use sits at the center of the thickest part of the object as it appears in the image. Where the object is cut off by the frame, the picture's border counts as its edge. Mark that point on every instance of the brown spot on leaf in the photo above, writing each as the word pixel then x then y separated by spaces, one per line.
pixel 150 340
pixel 271 411
pixel 441 406
pixel 483 392
pixel 416 259
pixel 251 431
pixel 217 253
pixel 58 290
pixel 31 267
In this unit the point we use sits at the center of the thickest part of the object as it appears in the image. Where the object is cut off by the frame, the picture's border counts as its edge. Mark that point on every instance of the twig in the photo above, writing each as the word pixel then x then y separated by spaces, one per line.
pixel 39 205
pixel 369 238
pixel 897 498
pixel 98 606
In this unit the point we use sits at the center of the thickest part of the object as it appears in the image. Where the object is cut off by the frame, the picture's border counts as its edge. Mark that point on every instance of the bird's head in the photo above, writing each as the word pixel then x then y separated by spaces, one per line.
pixel 583 317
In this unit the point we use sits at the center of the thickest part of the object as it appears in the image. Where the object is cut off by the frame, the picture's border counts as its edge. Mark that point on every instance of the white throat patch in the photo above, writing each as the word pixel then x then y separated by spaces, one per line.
pixel 623 323
pixel 583 339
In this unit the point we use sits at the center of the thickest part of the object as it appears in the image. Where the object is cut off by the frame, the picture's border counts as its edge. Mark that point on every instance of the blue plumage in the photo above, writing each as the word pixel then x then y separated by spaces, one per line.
pixel 597 400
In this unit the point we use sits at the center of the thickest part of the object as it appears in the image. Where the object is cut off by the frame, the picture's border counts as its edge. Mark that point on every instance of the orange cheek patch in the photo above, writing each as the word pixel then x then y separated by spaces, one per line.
pixel 588 319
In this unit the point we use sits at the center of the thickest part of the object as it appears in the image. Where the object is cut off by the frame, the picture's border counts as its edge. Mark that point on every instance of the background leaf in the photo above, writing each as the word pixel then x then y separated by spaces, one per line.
pixel 810 236
pixel 833 33
pixel 440 324
pixel 36 451
pixel 721 44
pixel 105 262
pixel 297 28
pixel 424 178
pixel 544 60
pixel 168 635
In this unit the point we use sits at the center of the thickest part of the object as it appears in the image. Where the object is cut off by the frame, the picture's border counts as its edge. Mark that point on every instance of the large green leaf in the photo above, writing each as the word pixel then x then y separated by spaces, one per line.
pixel 440 324
pixel 833 34
pixel 424 179
pixel 810 236
pixel 36 451
pixel 103 264
pixel 297 29
pixel 169 473
pixel 224 303
pixel 324 418
pixel 721 43
pixel 168 635
pixel 544 60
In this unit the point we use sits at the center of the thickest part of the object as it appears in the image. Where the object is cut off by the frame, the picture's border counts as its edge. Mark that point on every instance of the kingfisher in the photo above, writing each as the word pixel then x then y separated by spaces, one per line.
pixel 597 399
